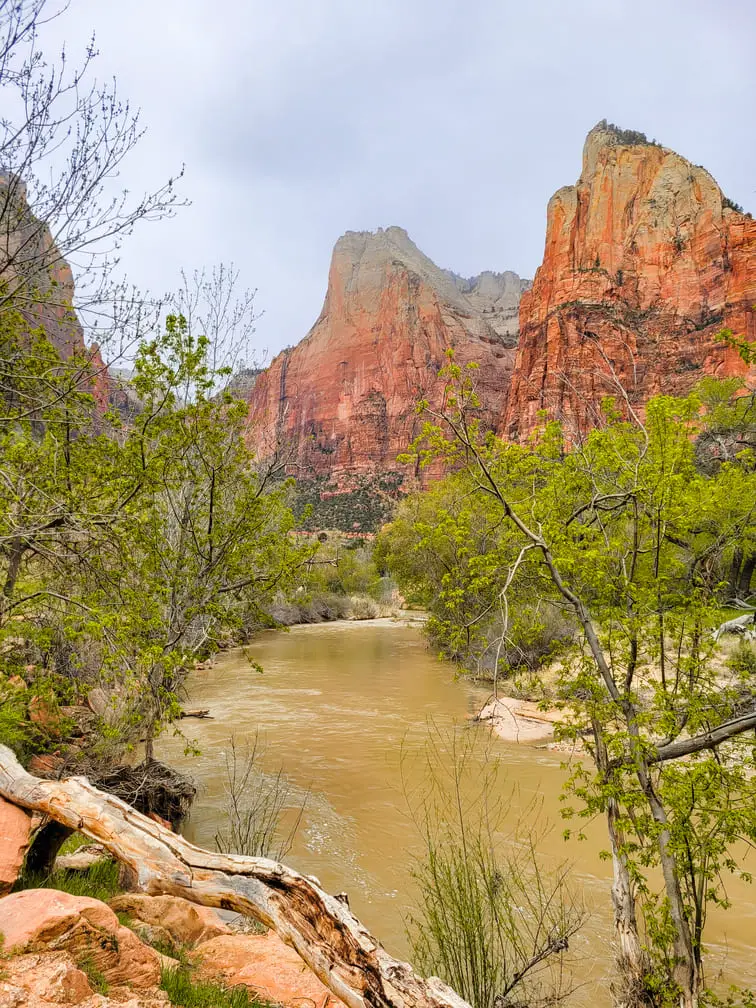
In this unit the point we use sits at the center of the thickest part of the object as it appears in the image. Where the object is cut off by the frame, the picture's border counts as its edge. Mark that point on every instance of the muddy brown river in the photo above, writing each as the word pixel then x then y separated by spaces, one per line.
pixel 342 707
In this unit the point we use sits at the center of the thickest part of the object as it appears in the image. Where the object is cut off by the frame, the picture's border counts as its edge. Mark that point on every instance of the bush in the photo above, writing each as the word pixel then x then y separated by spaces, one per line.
pixel 732 205
pixel 255 805
pixel 491 920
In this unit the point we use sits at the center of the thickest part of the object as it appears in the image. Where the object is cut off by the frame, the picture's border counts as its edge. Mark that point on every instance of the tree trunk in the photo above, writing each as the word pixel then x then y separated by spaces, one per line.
pixel 631 990
pixel 331 941
pixel 746 573
pixel 735 568
pixel 44 847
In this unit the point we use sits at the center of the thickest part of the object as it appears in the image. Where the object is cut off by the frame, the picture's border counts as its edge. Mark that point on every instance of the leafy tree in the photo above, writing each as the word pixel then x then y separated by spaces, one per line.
pixel 629 540
pixel 129 552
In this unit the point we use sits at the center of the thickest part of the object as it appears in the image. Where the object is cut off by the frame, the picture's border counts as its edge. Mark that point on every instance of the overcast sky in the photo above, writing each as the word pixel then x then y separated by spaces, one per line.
pixel 455 119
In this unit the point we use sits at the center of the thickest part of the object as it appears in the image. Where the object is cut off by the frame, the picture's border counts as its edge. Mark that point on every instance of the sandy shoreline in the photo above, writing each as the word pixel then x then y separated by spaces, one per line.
pixel 519 720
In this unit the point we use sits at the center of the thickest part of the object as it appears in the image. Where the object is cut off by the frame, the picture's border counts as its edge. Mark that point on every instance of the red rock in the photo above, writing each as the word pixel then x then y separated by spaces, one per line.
pixel 37 920
pixel 53 980
pixel 342 402
pixel 46 714
pixel 268 967
pixel 15 831
pixel 37 980
pixel 27 251
pixel 187 923
pixel 644 264
pixel 46 765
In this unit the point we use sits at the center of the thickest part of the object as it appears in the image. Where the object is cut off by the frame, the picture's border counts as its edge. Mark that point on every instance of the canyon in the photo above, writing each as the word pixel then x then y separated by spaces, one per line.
pixel 645 262
pixel 341 404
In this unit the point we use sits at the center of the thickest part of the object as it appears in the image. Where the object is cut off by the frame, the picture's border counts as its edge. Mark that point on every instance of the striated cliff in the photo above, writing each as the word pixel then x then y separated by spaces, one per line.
pixel 645 262
pixel 36 279
pixel 341 404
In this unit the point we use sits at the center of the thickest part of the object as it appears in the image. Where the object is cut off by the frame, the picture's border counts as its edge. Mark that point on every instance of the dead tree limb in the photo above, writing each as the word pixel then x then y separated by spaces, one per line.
pixel 328 937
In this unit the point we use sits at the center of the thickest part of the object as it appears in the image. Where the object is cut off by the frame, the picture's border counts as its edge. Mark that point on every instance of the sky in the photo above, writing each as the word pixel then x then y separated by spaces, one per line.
pixel 298 120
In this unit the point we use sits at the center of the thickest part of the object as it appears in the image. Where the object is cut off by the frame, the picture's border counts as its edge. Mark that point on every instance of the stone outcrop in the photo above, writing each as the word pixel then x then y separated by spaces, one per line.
pixel 645 262
pixel 31 262
pixel 341 404
pixel 56 946
pixel 15 830
pixel 266 966
pixel 36 920
pixel 53 980
pixel 186 923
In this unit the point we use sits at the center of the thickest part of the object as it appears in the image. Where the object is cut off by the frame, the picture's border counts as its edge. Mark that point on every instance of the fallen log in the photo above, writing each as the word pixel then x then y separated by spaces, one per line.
pixel 328 937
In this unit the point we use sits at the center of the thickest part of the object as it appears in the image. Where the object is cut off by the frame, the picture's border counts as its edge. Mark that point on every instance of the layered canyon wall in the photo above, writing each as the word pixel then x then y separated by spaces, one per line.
pixel 645 263
pixel 341 404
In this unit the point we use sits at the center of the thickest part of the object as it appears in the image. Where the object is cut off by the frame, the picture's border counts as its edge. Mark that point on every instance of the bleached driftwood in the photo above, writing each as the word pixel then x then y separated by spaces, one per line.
pixel 745 624
pixel 322 929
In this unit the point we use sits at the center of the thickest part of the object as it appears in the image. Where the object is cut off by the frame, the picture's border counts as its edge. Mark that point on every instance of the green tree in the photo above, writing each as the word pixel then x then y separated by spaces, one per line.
pixel 126 553
pixel 628 539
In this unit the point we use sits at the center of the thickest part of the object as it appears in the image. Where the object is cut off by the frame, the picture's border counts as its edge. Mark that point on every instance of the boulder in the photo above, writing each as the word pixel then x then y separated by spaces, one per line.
pixel 53 980
pixel 36 920
pixel 185 922
pixel 15 830
pixel 43 980
pixel 266 966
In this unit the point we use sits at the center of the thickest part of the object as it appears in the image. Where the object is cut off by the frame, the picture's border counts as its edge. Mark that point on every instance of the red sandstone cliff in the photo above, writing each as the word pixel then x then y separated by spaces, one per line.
pixel 644 264
pixel 35 277
pixel 341 403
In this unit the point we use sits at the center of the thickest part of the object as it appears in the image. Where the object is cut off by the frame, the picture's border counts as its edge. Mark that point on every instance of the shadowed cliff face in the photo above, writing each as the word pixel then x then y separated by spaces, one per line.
pixel 36 279
pixel 341 404
pixel 644 264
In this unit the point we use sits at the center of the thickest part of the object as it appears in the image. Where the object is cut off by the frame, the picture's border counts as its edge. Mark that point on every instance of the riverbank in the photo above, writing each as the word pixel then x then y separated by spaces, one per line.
pixel 332 607
pixel 515 720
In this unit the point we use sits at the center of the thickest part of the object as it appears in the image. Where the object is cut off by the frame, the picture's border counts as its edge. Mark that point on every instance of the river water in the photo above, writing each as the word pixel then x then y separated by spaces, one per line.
pixel 346 709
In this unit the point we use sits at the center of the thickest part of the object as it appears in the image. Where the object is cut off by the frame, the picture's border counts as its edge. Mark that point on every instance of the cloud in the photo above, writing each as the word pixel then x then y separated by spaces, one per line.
pixel 456 120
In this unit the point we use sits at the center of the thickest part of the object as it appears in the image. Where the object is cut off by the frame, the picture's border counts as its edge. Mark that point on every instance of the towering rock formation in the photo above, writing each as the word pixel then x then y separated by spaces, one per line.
pixel 37 281
pixel 645 263
pixel 341 404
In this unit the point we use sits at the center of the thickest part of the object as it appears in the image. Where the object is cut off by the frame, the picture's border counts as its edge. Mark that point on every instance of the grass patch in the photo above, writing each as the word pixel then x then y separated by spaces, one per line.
pixel 174 950
pixel 184 991
pixel 73 843
pixel 98 882
pixel 97 980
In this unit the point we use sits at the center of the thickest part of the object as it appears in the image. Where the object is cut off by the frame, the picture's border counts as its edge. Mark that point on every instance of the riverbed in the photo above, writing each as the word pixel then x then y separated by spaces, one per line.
pixel 346 709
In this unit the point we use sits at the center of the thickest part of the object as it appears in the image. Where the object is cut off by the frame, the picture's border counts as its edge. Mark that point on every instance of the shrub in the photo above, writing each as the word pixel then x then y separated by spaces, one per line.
pixel 732 205
pixel 490 920
pixel 255 805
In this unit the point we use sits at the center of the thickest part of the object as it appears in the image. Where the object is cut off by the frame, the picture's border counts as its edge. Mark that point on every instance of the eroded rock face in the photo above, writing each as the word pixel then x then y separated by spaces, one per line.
pixel 644 264
pixel 36 980
pixel 266 966
pixel 15 829
pixel 30 260
pixel 53 980
pixel 186 923
pixel 37 920
pixel 342 402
